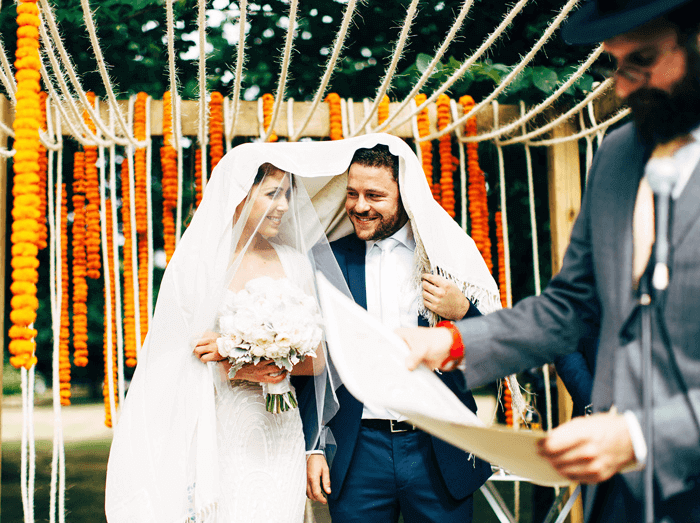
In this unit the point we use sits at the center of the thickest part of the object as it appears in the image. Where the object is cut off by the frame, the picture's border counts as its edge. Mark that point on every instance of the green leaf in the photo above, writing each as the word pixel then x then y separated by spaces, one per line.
pixel 423 61
pixel 545 79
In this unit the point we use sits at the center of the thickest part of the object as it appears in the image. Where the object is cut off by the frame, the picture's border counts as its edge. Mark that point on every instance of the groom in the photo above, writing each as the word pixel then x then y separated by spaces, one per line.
pixel 384 466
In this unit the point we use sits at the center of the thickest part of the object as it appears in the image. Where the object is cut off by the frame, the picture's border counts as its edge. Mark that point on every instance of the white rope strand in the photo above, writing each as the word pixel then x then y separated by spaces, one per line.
pixel 456 26
pixel 515 125
pixel 149 209
pixel 170 32
pixel 330 67
pixel 8 78
pixel 596 93
pixel 592 130
pixel 177 132
pixel 230 127
pixel 282 83
pixel 398 52
pixel 509 78
pixel 507 20
pixel 203 106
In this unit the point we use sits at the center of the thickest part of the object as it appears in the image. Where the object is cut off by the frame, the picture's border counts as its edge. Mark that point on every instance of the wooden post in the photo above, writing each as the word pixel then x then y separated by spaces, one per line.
pixel 564 204
pixel 4 118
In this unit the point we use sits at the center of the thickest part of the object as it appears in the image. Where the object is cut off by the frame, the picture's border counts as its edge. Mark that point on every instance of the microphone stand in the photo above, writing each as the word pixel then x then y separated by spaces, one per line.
pixel 661 174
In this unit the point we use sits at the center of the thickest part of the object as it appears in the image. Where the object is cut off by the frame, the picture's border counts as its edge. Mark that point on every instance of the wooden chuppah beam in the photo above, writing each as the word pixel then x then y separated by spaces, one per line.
pixel 247 123
pixel 564 173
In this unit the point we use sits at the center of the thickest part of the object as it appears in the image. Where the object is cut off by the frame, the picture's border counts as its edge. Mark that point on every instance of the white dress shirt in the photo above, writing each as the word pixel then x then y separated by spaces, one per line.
pixel 389 267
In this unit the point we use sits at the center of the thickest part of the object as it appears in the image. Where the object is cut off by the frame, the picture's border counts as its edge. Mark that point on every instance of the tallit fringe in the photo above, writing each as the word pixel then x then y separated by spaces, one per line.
pixel 482 299
pixel 204 515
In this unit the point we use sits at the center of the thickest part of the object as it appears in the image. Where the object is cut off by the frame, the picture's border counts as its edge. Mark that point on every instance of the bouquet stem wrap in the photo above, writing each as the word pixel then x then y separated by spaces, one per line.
pixel 279 397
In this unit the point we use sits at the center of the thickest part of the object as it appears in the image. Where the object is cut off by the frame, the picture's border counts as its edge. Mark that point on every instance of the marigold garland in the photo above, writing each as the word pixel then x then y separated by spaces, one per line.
pixel 426 148
pixel 268 101
pixel 508 403
pixel 64 333
pixel 335 116
pixel 43 169
pixel 168 160
pixel 216 133
pixel 111 326
pixel 80 288
pixel 478 204
pixel 140 203
pixel 501 260
pixel 383 110
pixel 447 160
pixel 143 287
pixel 25 236
pixel 92 209
pixel 129 304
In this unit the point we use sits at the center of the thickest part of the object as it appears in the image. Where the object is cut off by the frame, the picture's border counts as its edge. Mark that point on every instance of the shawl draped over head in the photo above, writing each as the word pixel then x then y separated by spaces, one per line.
pixel 163 459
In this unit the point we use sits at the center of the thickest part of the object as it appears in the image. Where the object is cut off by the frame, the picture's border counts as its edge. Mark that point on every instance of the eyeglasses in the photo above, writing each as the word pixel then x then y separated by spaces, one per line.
pixel 636 67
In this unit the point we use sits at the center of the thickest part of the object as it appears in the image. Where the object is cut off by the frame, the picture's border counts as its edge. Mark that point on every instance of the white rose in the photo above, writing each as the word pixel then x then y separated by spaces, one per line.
pixel 257 351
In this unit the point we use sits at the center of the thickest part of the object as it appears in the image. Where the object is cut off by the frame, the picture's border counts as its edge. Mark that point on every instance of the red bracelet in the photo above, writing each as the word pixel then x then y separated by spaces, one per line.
pixel 457 347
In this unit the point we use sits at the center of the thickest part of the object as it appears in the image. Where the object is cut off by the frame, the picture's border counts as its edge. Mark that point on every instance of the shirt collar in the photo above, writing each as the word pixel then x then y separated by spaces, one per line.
pixel 404 236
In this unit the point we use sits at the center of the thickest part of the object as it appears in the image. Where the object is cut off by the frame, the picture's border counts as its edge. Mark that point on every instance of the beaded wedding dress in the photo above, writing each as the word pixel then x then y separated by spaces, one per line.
pixel 262 460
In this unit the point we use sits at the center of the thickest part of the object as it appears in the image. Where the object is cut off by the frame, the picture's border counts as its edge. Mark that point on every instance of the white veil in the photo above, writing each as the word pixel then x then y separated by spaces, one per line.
pixel 164 453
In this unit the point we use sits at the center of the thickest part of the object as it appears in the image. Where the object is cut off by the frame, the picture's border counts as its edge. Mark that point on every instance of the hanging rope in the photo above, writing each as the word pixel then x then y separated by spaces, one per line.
pixel 398 52
pixel 202 137
pixel 456 26
pixel 457 75
pixel 553 26
pixel 231 112
pixel 284 70
pixel 338 45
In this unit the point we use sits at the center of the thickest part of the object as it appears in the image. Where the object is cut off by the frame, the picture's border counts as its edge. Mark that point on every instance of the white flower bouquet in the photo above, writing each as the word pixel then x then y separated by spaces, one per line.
pixel 270 319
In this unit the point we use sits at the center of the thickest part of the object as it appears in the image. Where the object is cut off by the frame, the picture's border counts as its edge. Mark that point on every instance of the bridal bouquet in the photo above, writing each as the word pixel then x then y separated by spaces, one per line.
pixel 270 319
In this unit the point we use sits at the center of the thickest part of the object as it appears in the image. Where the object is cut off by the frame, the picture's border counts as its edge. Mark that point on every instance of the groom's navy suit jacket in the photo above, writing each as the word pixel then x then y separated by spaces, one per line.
pixel 461 475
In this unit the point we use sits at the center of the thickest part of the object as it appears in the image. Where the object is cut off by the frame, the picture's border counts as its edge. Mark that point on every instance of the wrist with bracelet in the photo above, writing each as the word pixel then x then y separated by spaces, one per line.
pixel 456 349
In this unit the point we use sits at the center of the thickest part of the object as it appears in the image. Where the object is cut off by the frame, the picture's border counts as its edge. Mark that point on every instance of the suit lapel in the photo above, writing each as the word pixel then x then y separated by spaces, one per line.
pixel 686 209
pixel 355 267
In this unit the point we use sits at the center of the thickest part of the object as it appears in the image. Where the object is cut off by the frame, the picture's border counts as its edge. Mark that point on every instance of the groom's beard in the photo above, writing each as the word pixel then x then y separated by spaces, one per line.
pixel 660 116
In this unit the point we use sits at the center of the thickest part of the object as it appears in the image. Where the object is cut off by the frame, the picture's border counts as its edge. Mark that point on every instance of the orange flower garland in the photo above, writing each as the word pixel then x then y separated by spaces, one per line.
pixel 92 209
pixel 64 333
pixel 216 131
pixel 268 102
pixel 447 160
pixel 478 206
pixel 508 403
pixel 383 110
pixel 25 210
pixel 43 168
pixel 335 116
pixel 143 287
pixel 111 326
pixel 129 304
pixel 168 161
pixel 140 204
pixel 501 260
pixel 426 148
pixel 80 288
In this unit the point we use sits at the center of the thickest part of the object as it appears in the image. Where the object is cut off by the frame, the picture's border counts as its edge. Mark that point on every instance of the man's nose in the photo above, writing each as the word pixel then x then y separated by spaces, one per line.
pixel 361 205
pixel 625 86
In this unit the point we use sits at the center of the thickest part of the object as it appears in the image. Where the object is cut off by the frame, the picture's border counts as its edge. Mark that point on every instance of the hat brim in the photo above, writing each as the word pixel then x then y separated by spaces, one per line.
pixel 588 26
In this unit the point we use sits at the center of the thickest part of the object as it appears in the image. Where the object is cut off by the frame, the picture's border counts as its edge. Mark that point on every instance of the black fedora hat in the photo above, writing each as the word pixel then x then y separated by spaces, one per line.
pixel 599 20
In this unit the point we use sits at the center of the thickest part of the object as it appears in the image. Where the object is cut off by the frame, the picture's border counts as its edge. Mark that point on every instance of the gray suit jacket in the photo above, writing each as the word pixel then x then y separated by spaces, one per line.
pixel 593 296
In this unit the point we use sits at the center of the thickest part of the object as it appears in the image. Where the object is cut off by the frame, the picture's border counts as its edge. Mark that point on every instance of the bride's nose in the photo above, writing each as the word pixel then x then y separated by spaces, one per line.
pixel 282 204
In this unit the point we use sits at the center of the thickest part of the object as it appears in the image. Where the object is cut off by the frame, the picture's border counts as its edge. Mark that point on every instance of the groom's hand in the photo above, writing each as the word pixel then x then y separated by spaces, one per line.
pixel 443 297
pixel 317 477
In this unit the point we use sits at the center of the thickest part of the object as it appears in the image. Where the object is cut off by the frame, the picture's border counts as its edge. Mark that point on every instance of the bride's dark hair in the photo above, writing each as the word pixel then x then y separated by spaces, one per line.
pixel 267 169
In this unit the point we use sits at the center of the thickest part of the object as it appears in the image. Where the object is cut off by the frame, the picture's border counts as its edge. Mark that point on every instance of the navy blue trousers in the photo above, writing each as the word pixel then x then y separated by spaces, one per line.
pixel 392 474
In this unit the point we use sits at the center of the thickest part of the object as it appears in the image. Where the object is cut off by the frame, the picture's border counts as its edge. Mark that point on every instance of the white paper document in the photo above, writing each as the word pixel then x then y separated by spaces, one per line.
pixel 371 362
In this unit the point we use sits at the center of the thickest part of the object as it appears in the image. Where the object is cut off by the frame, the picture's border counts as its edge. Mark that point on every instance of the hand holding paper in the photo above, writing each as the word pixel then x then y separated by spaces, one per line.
pixel 371 362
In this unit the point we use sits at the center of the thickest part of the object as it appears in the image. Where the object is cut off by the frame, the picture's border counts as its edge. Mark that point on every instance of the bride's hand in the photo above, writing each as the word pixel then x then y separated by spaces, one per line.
pixel 207 349
pixel 264 372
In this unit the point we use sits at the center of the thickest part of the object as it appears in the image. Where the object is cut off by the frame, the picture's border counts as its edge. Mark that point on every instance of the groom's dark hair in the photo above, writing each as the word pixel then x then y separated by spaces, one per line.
pixel 378 156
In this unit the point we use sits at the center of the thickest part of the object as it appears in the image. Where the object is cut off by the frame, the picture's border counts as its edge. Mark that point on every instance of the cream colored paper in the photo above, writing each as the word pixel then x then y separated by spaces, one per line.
pixel 371 362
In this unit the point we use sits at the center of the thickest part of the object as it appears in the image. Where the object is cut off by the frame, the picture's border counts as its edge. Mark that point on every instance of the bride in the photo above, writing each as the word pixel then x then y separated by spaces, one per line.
pixel 198 442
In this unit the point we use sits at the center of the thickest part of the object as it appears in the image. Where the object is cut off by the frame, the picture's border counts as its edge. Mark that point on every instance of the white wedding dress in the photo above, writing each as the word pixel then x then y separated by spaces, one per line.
pixel 262 459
